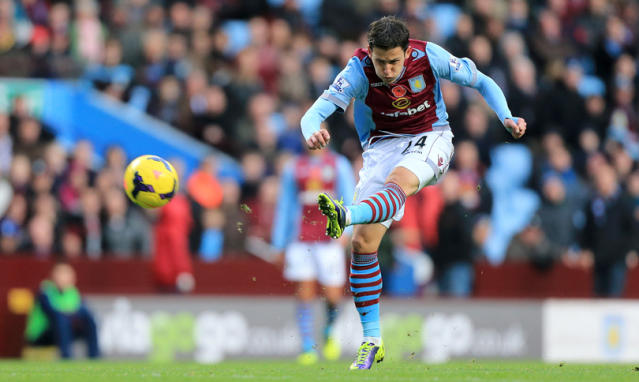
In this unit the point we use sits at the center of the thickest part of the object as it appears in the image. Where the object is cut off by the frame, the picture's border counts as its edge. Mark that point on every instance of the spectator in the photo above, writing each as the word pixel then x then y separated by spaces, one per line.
pixel 60 315
pixel 236 220
pixel 6 145
pixel 211 242
pixel 205 191
pixel 559 218
pixel 125 231
pixel 454 253
pixel 20 174
pixel 172 266
pixel 88 32
pixel 111 75
pixel 531 245
pixel 12 226
pixel 30 139
pixel 610 233
pixel 91 223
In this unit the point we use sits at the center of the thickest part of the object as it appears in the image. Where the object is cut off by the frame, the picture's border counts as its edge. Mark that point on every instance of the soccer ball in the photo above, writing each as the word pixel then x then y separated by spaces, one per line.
pixel 150 181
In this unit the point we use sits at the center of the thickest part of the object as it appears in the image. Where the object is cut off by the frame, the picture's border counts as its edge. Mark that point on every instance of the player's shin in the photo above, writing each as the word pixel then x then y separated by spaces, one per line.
pixel 366 286
pixel 331 316
pixel 379 207
pixel 305 324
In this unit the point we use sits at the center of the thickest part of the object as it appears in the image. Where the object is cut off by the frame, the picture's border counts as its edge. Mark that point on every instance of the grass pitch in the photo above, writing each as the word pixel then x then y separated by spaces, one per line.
pixel 475 371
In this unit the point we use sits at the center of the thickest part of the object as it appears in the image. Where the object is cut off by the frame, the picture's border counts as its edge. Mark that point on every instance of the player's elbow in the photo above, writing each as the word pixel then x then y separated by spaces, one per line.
pixel 483 83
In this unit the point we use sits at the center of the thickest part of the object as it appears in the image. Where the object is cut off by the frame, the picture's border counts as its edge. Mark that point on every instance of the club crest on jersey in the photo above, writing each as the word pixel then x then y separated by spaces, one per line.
pixel 399 91
pixel 340 84
pixel 417 54
pixel 417 84
pixel 401 103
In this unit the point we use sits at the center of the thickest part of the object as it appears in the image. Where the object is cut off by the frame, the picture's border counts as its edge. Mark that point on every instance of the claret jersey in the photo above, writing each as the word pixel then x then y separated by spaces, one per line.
pixel 412 104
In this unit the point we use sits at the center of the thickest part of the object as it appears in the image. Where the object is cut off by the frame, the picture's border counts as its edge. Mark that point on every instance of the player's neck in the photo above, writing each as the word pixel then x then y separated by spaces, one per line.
pixel 399 77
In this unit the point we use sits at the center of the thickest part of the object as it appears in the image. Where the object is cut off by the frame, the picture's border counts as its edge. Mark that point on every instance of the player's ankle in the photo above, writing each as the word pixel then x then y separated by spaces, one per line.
pixel 376 340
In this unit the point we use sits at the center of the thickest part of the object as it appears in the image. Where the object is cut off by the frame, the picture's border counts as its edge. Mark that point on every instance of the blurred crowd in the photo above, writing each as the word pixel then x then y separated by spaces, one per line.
pixel 238 75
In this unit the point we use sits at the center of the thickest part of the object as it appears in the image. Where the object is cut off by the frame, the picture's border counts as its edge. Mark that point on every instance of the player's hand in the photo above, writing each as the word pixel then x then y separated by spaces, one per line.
pixel 318 140
pixel 518 129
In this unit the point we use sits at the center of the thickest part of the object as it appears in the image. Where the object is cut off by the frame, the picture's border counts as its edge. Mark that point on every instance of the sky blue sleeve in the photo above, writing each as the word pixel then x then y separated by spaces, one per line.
pixel 348 84
pixel 315 115
pixel 287 208
pixel 463 71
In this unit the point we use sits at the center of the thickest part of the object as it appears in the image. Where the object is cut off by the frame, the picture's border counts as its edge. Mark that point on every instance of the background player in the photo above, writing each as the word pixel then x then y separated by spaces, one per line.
pixel 310 255
pixel 402 125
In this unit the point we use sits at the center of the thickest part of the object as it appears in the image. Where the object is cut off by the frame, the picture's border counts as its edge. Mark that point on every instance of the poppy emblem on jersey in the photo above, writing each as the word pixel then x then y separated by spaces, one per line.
pixel 417 84
pixel 440 161
pixel 401 103
pixel 399 91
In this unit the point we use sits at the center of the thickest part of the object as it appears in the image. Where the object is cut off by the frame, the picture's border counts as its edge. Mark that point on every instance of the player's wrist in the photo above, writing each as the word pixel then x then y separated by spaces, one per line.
pixel 506 118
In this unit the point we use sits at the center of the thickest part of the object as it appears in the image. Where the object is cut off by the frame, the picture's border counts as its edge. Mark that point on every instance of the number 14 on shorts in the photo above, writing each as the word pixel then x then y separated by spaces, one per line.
pixel 417 147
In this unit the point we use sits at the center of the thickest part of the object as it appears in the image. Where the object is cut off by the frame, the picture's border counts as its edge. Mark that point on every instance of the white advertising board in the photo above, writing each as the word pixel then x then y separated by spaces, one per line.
pixel 591 330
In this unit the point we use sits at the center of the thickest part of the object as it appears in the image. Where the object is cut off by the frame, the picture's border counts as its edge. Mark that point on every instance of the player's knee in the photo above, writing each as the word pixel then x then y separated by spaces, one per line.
pixel 361 244
pixel 405 178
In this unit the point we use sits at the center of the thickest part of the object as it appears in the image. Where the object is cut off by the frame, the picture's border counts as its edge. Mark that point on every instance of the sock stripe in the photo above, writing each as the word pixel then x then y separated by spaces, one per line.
pixel 355 267
pixel 389 213
pixel 380 209
pixel 365 275
pixel 362 285
pixel 365 279
pixel 394 202
pixel 362 304
pixel 394 193
pixel 368 293
pixel 357 289
pixel 398 190
pixel 363 260
pixel 359 282
pixel 366 272
pixel 378 202
pixel 372 208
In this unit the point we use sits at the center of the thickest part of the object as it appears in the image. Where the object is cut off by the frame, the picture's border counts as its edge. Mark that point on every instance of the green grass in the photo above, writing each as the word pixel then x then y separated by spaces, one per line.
pixel 479 371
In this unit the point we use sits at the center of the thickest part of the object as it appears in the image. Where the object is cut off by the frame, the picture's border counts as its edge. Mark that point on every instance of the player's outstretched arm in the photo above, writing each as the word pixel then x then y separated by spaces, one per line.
pixel 463 71
pixel 316 137
pixel 497 101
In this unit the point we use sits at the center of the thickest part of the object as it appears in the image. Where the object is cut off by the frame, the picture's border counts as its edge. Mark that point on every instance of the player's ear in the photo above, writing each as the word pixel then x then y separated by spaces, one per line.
pixel 407 53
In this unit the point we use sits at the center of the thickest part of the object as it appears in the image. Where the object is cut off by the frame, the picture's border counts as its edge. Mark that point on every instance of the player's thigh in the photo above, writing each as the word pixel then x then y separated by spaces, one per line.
pixel 428 156
pixel 298 262
pixel 367 237
pixel 331 263
pixel 379 161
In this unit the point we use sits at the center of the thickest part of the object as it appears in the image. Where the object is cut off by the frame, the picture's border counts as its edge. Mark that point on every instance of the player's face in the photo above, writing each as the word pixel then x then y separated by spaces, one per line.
pixel 388 63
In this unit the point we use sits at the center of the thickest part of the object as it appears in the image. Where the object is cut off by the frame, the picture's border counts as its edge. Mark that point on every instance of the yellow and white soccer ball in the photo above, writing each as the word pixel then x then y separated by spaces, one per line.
pixel 150 181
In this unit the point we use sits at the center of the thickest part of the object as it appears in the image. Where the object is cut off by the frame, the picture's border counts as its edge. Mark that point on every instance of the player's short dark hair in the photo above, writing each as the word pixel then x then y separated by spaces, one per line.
pixel 387 33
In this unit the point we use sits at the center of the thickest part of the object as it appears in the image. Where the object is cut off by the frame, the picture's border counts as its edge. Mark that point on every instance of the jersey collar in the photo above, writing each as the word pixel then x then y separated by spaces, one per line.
pixel 399 77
